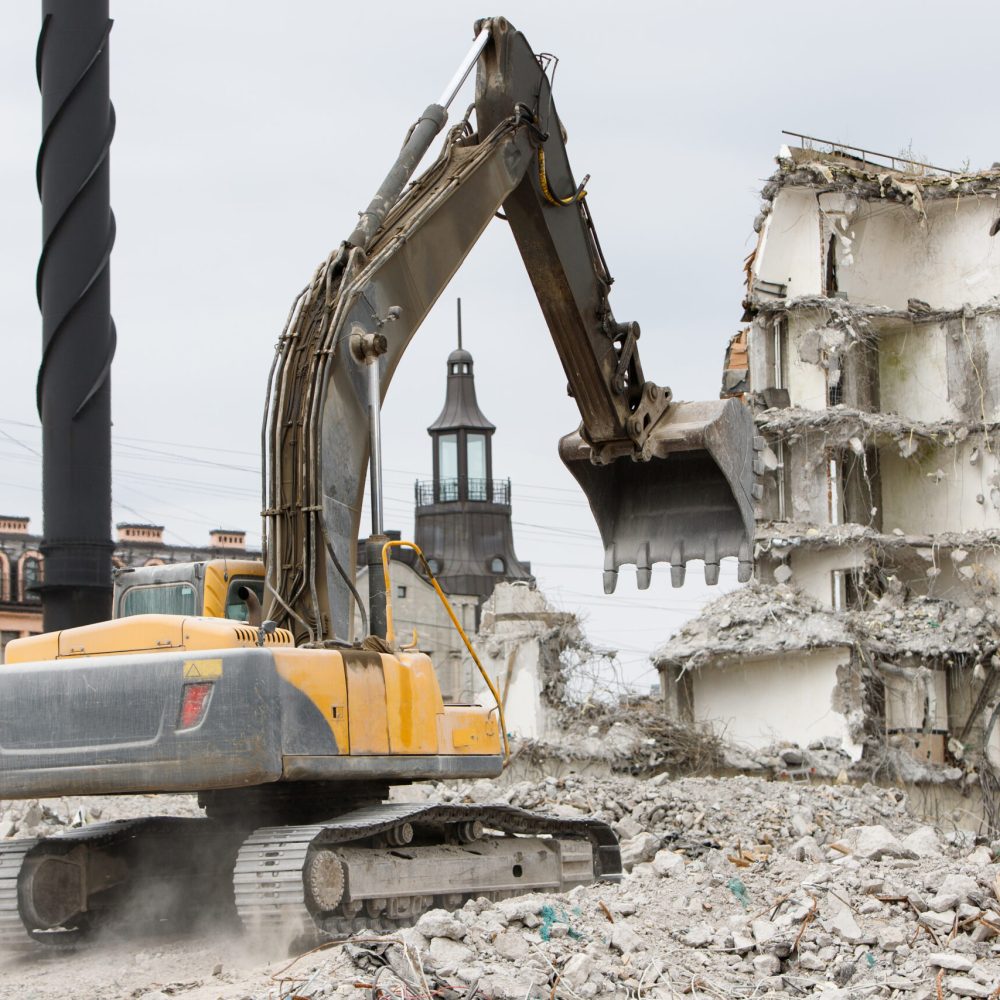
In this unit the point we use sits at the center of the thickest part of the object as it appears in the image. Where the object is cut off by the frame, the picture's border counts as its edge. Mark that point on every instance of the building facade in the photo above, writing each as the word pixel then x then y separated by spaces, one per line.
pixel 872 364
pixel 22 566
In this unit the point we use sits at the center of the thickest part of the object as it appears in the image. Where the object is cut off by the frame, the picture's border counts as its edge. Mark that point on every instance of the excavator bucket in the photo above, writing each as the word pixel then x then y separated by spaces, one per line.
pixel 692 499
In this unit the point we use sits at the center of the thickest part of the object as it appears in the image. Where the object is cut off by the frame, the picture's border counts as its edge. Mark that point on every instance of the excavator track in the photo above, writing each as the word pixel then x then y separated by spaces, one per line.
pixel 14 936
pixel 298 880
pixel 378 866
pixel 16 933
pixel 115 862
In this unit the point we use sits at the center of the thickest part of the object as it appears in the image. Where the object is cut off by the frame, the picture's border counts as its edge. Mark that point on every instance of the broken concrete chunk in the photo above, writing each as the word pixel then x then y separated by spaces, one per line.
pixel 873 843
pixel 840 921
pixel 766 965
pixel 640 848
pixel 520 907
pixel 625 939
pixel 938 920
pixel 891 937
pixel 512 945
pixel 627 828
pixel 953 890
pixel 966 987
pixel 763 931
pixel 577 970
pixel 441 923
pixel 448 953
pixel 949 960
pixel 923 842
pixel 666 863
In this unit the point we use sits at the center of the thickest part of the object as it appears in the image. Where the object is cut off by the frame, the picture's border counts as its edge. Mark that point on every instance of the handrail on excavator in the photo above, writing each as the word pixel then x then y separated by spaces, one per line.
pixel 390 635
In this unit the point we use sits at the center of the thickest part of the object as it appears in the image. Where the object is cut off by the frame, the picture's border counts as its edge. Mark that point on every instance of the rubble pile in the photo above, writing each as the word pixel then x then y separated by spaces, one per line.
pixel 734 887
pixel 592 734
pixel 33 818
pixel 757 617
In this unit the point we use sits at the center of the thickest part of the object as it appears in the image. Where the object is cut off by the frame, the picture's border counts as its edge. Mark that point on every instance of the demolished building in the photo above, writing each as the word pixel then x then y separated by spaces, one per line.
pixel 872 364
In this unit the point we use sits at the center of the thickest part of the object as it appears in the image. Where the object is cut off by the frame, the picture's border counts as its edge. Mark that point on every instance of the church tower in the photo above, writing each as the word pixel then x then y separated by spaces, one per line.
pixel 463 514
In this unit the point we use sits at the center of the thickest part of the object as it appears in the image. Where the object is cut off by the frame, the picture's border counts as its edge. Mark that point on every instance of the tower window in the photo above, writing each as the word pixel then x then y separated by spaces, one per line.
pixel 476 456
pixel 401 591
pixel 448 456
pixel 497 565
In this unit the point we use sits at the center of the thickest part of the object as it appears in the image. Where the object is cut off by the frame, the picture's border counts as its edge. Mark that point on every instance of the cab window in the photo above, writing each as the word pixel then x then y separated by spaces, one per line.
pixel 159 599
pixel 235 608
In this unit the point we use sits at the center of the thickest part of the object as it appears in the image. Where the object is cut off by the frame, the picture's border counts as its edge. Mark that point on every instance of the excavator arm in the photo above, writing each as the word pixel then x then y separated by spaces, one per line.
pixel 666 481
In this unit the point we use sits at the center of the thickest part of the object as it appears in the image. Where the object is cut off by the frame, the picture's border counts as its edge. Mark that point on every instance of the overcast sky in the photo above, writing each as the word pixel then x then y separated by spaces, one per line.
pixel 251 133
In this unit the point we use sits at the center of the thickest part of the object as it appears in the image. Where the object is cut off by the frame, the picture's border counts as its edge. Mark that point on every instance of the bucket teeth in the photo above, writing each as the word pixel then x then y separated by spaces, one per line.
pixel 678 567
pixel 610 570
pixel 643 567
pixel 712 560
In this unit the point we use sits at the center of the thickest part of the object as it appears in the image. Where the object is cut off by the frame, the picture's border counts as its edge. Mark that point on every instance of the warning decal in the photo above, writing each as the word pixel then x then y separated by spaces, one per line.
pixel 203 670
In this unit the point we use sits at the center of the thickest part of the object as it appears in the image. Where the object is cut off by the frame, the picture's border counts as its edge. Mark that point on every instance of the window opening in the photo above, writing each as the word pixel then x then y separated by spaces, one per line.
pixel 31 576
pixel 236 609
pixel 159 599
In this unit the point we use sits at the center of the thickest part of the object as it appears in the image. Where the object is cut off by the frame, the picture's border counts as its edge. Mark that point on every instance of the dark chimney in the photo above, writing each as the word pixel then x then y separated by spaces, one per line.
pixel 74 294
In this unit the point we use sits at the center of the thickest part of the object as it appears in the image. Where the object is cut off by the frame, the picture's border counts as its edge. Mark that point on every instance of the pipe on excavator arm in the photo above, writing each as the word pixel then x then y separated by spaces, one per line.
pixel 640 458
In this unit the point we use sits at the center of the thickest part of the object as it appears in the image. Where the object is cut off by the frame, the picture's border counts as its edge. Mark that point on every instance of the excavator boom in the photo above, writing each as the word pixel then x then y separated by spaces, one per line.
pixel 666 481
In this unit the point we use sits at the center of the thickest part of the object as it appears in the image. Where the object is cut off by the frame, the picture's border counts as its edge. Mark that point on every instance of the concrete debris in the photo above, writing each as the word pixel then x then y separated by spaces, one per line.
pixel 834 171
pixel 747 910
pixel 845 425
pixel 751 619
pixel 873 843
pixel 761 618
pixel 781 536
pixel 593 733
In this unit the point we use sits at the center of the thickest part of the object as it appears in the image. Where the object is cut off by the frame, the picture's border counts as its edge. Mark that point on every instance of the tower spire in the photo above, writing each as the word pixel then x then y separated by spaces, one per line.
pixel 459 303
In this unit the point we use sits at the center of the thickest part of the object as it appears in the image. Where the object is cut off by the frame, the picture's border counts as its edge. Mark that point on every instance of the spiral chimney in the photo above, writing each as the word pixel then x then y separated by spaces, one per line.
pixel 74 294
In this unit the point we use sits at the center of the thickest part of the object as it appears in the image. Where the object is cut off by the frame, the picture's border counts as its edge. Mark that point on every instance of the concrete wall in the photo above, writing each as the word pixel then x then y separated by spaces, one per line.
pixel 519 642
pixel 939 489
pixel 947 259
pixel 789 251
pixel 813 569
pixel 782 697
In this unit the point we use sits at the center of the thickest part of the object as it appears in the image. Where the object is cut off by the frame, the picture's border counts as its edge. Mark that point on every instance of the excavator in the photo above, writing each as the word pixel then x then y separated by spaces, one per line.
pixel 243 683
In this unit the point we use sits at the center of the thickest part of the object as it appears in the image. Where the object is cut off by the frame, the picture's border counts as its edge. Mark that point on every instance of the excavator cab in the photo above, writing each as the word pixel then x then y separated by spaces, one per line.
pixel 209 589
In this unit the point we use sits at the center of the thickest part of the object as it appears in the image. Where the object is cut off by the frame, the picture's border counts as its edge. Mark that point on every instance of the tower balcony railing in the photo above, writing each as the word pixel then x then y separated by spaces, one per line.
pixel 462 488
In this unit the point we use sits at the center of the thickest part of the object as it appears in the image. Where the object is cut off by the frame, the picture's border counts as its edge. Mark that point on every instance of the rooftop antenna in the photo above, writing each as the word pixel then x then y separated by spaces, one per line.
pixel 459 303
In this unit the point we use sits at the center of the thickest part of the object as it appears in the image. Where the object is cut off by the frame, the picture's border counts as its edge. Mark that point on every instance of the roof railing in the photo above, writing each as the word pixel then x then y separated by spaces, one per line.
pixel 837 147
